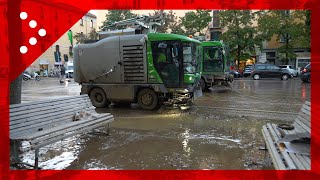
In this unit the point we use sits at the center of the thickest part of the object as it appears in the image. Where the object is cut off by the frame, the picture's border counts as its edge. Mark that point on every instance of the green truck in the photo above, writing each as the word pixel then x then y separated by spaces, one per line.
pixel 149 69
pixel 214 65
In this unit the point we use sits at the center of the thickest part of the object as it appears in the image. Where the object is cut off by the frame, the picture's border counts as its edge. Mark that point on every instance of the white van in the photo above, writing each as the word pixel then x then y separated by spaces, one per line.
pixel 69 70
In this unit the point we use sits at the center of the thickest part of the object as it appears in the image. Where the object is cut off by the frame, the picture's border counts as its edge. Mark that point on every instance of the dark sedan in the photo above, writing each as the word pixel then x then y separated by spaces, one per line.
pixel 269 71
pixel 305 74
pixel 247 71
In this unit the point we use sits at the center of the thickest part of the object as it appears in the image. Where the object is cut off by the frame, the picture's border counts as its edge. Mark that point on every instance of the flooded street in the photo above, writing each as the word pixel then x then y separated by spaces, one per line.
pixel 222 130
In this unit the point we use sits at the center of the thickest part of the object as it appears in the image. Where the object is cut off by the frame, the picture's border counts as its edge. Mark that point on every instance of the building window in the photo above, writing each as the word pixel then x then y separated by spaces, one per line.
pixel 91 23
pixel 81 22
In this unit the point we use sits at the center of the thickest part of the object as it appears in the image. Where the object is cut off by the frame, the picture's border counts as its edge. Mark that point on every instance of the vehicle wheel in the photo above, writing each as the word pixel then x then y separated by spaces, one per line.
pixel 25 78
pixel 38 78
pixel 256 77
pixel 147 99
pixel 203 85
pixel 285 77
pixel 98 98
pixel 308 79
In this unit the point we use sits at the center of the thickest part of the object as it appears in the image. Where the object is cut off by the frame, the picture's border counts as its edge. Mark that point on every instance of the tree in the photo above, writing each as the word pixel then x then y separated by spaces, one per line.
pixel 240 35
pixel 176 28
pixel 82 38
pixel 289 28
pixel 169 19
pixel 114 16
pixel 195 22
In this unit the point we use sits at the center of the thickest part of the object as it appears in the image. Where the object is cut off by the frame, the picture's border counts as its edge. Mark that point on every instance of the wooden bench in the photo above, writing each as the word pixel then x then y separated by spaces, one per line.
pixel 282 158
pixel 45 122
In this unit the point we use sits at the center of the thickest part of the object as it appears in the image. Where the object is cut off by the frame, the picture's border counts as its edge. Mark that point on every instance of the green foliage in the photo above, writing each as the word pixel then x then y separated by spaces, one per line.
pixel 81 38
pixel 289 26
pixel 240 35
pixel 176 28
pixel 114 16
pixel 194 22
pixel 169 19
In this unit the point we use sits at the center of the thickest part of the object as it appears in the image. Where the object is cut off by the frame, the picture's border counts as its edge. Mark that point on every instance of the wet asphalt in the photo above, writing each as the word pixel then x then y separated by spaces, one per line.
pixel 222 130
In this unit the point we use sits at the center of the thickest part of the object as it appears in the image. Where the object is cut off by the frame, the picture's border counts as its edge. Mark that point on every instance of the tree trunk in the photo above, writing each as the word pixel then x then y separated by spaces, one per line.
pixel 287 48
pixel 238 55
pixel 14 33
pixel 15 90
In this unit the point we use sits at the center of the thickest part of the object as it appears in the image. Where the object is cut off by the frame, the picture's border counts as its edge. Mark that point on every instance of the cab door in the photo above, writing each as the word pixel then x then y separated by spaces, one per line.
pixel 167 59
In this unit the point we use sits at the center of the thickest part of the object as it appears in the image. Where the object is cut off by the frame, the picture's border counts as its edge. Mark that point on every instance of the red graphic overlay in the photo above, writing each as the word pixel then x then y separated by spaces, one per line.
pixel 57 16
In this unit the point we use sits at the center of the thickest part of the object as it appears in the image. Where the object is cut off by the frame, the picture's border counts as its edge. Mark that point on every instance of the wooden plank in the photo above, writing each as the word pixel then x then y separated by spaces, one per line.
pixel 307 159
pixel 297 128
pixel 308 103
pixel 276 135
pixel 22 110
pixel 304 121
pixel 306 107
pixel 37 120
pixel 304 116
pixel 306 128
pixel 14 106
pixel 36 146
pixel 275 157
pixel 42 124
pixel 306 112
pixel 55 129
pixel 53 109
pixel 303 161
pixel 296 160
pixel 271 133
pixel 67 128
pixel 39 115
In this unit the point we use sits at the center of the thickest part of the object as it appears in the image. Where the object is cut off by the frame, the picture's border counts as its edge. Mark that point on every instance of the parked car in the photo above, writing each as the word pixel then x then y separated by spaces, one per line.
pixel 305 74
pixel 69 71
pixel 247 71
pixel 235 73
pixel 290 69
pixel 269 71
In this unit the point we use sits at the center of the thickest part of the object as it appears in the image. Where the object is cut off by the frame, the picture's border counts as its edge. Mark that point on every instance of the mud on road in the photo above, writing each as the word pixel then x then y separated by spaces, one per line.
pixel 222 130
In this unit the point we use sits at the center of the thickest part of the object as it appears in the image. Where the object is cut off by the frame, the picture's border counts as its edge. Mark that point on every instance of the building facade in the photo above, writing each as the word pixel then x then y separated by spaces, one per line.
pixel 50 61
pixel 270 54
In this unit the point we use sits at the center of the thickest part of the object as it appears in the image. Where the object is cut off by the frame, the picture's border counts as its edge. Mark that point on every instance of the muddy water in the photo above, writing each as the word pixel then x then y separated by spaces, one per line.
pixel 222 130
pixel 171 139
